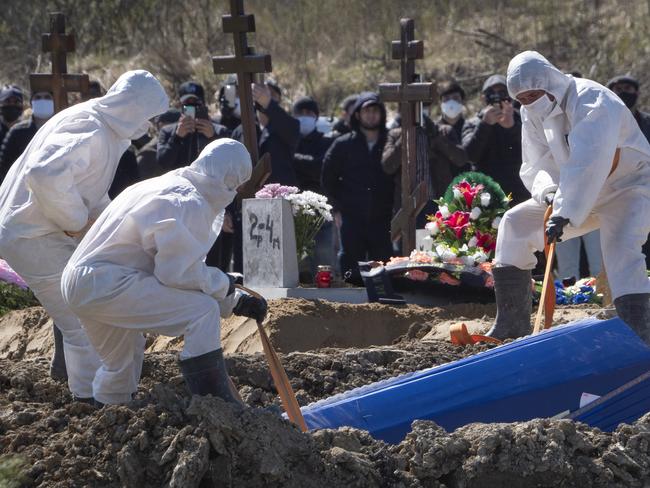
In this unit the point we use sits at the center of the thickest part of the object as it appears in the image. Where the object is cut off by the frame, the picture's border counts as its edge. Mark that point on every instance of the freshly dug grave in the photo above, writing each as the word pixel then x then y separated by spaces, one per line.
pixel 164 438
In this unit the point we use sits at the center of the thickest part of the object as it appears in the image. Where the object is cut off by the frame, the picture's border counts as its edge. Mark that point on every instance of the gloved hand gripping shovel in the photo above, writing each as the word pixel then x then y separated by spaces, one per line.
pixel 279 375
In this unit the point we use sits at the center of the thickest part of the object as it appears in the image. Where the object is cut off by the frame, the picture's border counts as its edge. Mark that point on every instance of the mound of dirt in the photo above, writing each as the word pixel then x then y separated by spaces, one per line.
pixel 164 438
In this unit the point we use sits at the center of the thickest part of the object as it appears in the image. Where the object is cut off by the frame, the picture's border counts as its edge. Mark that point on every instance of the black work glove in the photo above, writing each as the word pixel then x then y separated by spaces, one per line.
pixel 235 279
pixel 252 307
pixel 555 229
pixel 549 197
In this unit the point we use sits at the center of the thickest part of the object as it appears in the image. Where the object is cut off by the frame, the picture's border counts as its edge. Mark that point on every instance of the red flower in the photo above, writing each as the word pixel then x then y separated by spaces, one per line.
pixel 486 241
pixel 469 191
pixel 458 222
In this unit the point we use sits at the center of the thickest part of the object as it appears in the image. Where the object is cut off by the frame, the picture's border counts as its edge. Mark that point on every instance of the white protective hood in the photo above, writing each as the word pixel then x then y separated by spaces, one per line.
pixel 570 150
pixel 532 71
pixel 61 180
pixel 165 226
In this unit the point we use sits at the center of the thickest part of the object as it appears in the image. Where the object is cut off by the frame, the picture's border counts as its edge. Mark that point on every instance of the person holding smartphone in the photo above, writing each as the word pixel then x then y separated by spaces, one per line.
pixel 179 144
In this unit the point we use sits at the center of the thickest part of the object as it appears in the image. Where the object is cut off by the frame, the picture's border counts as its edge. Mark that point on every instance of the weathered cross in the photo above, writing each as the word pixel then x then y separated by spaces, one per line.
pixel 60 83
pixel 409 94
pixel 246 64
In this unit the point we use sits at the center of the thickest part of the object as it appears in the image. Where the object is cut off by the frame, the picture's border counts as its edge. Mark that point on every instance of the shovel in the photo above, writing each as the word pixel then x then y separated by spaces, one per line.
pixel 547 300
pixel 280 378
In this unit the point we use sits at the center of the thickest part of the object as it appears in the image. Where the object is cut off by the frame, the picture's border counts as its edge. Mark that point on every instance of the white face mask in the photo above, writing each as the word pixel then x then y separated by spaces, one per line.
pixel 541 107
pixel 307 124
pixel 451 108
pixel 43 109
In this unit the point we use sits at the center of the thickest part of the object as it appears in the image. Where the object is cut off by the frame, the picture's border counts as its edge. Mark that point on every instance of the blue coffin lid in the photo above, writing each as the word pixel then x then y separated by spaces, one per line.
pixel 537 376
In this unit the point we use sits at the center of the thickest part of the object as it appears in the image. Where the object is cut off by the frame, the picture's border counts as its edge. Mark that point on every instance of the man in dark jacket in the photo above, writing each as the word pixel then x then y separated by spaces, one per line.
pixel 308 163
pixel 357 186
pixel 179 144
pixel 21 133
pixel 308 158
pixel 278 133
pixel 492 139
pixel 11 108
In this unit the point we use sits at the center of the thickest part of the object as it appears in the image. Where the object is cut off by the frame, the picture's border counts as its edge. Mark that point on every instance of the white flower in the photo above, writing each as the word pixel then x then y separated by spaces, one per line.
pixel 458 194
pixel 472 242
pixel 433 228
pixel 464 248
pixel 475 213
pixel 485 199
pixel 444 253
pixel 444 211
pixel 495 222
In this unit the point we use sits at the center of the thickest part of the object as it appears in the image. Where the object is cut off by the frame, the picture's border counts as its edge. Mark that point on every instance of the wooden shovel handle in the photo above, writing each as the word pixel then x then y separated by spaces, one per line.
pixel 279 375
pixel 547 299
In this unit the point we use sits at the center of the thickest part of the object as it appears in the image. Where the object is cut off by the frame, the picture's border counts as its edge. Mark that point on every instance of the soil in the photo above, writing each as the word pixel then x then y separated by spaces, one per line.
pixel 166 438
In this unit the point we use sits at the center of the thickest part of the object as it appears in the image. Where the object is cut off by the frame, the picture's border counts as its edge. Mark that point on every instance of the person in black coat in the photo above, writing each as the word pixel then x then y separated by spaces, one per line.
pixel 179 144
pixel 278 133
pixel 492 139
pixel 308 158
pixel 20 135
pixel 358 188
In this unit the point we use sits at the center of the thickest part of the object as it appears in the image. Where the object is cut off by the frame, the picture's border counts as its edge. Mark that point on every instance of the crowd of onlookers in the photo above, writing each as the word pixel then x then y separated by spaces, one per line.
pixel 354 160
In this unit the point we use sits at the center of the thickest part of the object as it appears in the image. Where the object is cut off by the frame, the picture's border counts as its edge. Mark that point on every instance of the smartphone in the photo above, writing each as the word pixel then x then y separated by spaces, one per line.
pixel 201 112
pixel 230 94
pixel 189 111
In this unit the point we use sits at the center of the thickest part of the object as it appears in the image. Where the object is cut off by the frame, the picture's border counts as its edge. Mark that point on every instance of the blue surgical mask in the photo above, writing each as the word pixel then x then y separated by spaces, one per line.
pixel 307 124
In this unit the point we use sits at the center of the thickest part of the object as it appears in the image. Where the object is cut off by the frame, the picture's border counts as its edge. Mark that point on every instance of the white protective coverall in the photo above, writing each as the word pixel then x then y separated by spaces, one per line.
pixel 141 267
pixel 570 151
pixel 60 183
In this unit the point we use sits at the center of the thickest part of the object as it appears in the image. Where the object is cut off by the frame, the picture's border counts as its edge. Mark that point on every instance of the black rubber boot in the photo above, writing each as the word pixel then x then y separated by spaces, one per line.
pixel 634 310
pixel 58 370
pixel 514 295
pixel 207 375
pixel 89 400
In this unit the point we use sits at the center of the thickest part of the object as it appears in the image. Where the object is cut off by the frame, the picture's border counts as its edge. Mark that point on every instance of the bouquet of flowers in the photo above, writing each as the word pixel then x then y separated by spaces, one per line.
pixel 464 229
pixel 583 291
pixel 310 212
pixel 14 294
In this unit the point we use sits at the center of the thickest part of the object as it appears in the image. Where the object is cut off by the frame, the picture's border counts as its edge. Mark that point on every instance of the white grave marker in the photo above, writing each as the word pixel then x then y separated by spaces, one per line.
pixel 269 241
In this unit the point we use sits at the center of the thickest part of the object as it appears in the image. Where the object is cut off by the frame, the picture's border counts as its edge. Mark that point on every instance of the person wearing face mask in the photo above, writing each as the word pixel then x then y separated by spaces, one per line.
pixel 179 144
pixel 585 157
pixel 141 267
pixel 492 139
pixel 308 163
pixel 357 187
pixel 447 157
pixel 57 188
pixel 228 104
pixel 11 108
pixel 21 133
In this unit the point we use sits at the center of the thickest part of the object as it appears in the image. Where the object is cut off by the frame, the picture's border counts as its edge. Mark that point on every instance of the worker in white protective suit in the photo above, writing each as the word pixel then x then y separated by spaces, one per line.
pixel 55 190
pixel 141 268
pixel 584 155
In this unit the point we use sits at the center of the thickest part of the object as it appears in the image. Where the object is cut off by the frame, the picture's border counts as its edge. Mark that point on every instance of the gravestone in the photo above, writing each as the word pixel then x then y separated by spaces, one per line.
pixel 269 239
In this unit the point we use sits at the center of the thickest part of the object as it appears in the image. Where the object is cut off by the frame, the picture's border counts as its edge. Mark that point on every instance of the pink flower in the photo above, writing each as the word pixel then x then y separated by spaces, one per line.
pixel 458 222
pixel 469 191
pixel 276 190
pixel 10 276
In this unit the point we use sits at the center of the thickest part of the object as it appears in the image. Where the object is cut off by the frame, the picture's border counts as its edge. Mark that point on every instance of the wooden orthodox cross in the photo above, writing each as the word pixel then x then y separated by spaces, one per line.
pixel 409 94
pixel 246 64
pixel 60 82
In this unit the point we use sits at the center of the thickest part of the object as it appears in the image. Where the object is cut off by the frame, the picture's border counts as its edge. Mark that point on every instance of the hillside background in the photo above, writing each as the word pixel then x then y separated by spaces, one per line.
pixel 330 48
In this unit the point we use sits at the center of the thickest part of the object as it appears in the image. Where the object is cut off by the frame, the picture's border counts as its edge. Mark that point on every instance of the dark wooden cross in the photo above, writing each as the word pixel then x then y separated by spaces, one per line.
pixel 246 64
pixel 409 94
pixel 60 82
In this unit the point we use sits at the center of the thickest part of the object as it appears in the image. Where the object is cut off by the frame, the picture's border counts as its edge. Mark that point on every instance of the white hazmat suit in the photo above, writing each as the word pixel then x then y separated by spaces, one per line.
pixel 59 184
pixel 141 267
pixel 569 149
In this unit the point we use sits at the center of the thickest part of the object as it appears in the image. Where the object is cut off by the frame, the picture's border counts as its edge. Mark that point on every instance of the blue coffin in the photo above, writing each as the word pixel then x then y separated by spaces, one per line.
pixel 537 376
